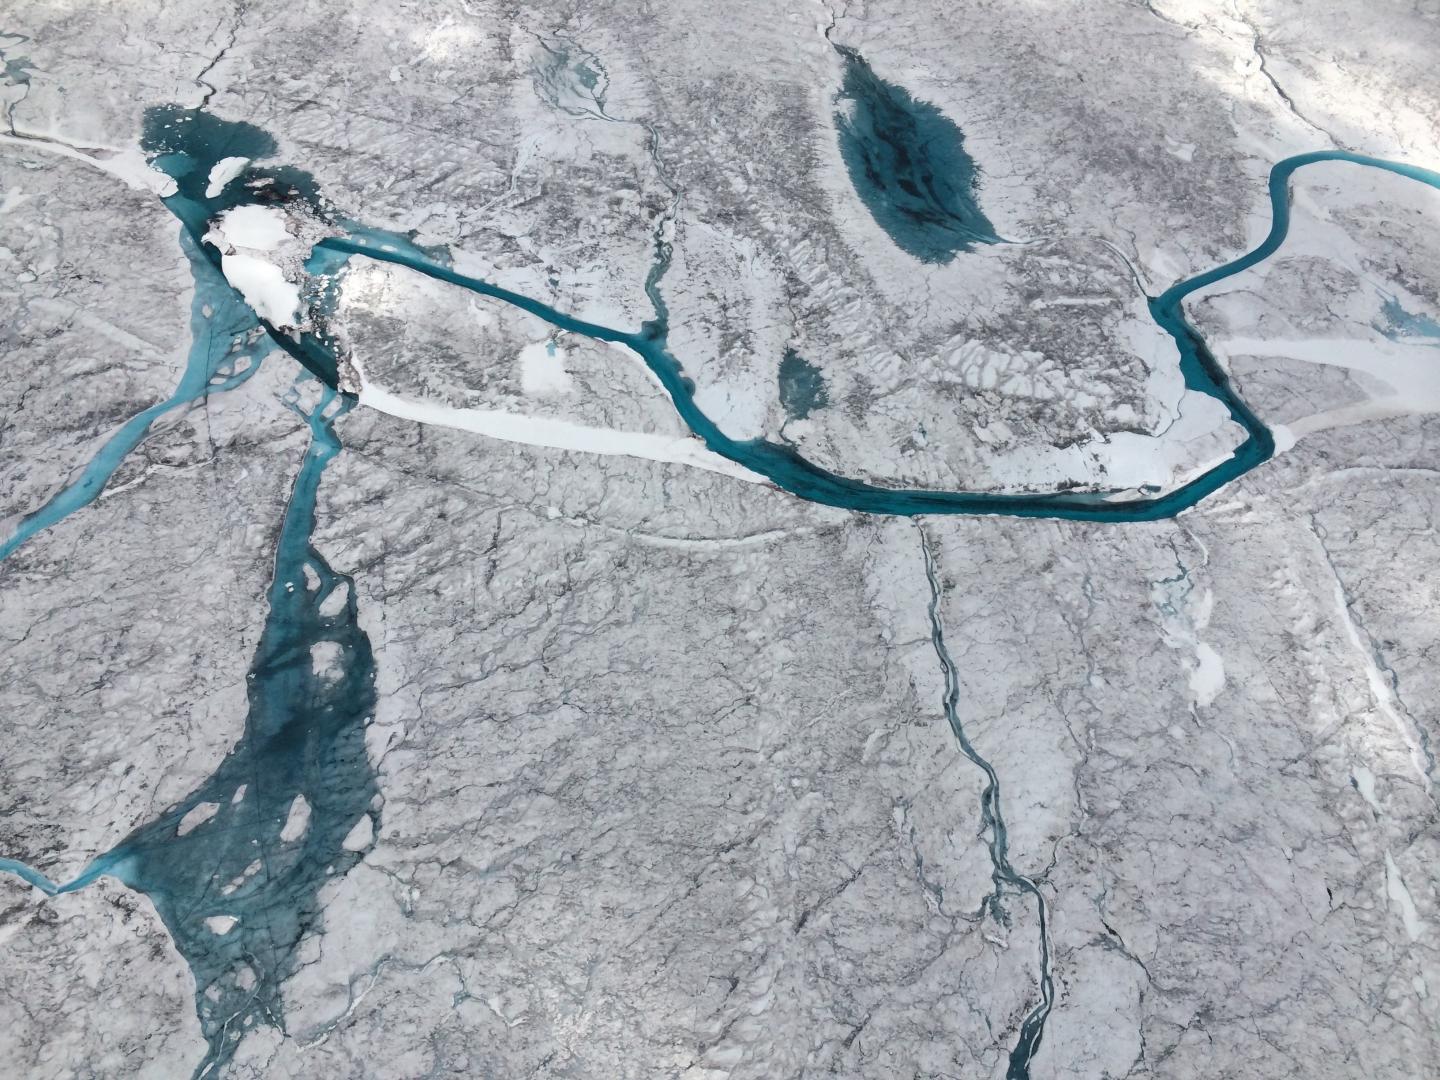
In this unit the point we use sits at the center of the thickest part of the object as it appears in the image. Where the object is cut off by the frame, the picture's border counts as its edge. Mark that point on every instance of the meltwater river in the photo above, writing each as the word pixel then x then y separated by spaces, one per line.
pixel 793 473
pixel 231 873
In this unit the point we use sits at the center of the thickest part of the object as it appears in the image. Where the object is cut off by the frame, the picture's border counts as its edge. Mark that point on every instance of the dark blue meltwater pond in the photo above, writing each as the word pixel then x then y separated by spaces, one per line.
pixel 235 869
pixel 1407 327
pixel 908 164
pixel 802 386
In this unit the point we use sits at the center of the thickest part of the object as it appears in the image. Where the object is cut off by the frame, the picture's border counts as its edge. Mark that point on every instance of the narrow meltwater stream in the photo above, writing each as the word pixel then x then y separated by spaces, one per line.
pixel 572 79
pixel 992 821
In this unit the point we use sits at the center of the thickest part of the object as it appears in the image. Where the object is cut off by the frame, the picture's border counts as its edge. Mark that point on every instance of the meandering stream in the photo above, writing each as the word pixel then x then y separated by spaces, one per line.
pixel 235 868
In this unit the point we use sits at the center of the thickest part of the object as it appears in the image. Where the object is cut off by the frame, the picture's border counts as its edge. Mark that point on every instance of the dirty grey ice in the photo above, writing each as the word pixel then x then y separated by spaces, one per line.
pixel 754 540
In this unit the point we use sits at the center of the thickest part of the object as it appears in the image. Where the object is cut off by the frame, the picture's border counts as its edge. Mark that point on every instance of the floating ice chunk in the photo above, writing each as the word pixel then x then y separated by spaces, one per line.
pixel 245 875
pixel 264 287
pixel 297 821
pixel 256 243
pixel 225 170
pixel 196 816
pixel 221 925
pixel 261 228
pixel 360 837
pixel 325 659
pixel 335 601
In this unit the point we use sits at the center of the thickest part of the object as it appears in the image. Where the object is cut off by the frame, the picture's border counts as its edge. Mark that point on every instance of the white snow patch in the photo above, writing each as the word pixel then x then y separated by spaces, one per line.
pixel 1208 678
pixel 224 170
pixel 196 816
pixel 1405 378
pixel 1131 459
pixel 1184 613
pixel 220 925
pixel 13 198
pixel 556 434
pixel 128 166
pixel 1365 784
pixel 542 370
pixel 1380 689
pixel 1400 896
pixel 737 410
pixel 297 821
